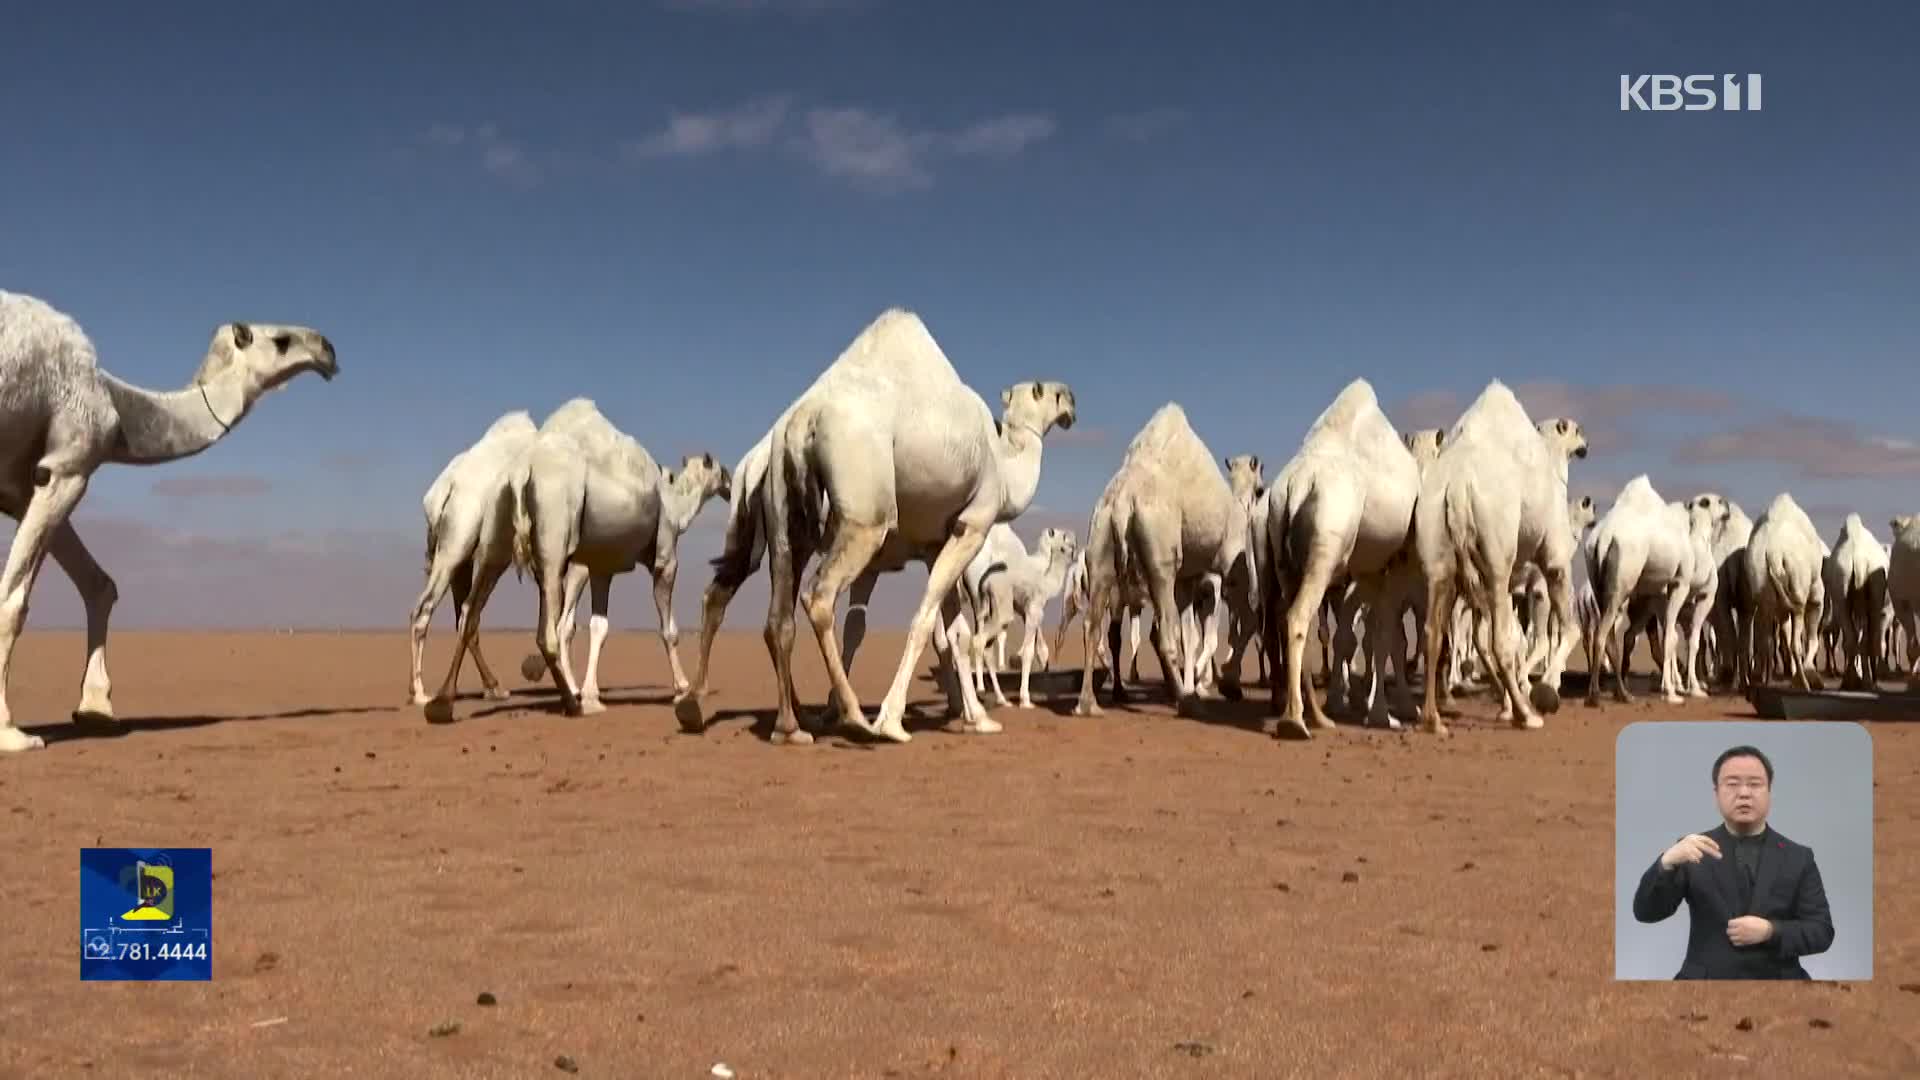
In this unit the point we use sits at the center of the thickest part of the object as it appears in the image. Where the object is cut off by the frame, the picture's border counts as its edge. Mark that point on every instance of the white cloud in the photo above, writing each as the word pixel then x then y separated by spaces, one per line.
pixel 497 155
pixel 747 126
pixel 1144 126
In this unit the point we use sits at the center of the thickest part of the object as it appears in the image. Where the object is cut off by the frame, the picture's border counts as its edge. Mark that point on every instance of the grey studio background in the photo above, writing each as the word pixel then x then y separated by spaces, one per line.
pixel 1822 797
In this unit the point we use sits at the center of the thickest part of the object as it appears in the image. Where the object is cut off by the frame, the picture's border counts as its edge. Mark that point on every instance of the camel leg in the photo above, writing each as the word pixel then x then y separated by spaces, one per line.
pixel 1546 693
pixel 1096 620
pixel 1379 643
pixel 1167 635
pixel 1670 647
pixel 994 612
pixel 1691 676
pixel 486 574
pixel 688 710
pixel 663 580
pixel 1069 607
pixel 1440 597
pixel 440 574
pixel 597 638
pixel 462 592
pixel 965 542
pixel 1317 573
pixel 1133 616
pixel 859 595
pixel 98 593
pixel 47 509
pixel 953 647
pixel 1508 651
pixel 786 556
pixel 851 550
pixel 1030 627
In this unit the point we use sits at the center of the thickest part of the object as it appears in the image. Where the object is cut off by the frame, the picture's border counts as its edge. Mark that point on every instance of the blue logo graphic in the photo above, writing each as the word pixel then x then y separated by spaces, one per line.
pixel 146 914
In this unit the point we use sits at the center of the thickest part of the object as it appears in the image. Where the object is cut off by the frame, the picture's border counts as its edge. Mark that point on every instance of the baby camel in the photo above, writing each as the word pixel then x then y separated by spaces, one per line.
pixel 1023 590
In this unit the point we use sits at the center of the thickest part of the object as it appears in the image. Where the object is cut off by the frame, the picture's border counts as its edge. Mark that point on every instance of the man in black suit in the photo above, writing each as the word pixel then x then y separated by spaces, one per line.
pixel 1752 916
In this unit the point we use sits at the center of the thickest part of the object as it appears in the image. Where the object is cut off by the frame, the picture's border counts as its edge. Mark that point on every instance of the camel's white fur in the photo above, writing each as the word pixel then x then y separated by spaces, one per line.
pixel 1782 561
pixel 1858 595
pixel 1494 497
pixel 1341 507
pixel 1022 590
pixel 1643 546
pixel 464 501
pixel 1169 518
pixel 62 417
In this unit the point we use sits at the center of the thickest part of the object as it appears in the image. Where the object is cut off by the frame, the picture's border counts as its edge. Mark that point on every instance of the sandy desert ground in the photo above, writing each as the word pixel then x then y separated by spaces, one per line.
pixel 1132 895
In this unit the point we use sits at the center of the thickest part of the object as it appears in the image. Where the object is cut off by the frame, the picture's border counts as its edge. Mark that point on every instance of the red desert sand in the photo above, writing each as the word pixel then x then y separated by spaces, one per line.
pixel 1128 895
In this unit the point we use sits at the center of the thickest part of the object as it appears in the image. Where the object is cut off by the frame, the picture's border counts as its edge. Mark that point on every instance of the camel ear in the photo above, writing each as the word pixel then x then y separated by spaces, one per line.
pixel 242 335
pixel 1256 463
pixel 1006 397
pixel 1586 502
pixel 1440 438
pixel 1562 426
pixel 707 459
pixel 1039 394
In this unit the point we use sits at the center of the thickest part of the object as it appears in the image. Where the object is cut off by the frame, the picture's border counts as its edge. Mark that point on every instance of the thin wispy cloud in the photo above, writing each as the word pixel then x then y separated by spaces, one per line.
pixel 212 485
pixel 1144 126
pixel 1817 448
pixel 1605 412
pixel 867 148
pixel 748 126
pixel 498 156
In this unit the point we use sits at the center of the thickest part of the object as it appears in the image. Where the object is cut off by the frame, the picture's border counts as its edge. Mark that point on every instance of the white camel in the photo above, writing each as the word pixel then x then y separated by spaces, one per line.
pixel 1861 602
pixel 588 503
pixel 62 417
pixel 458 506
pixel 1642 546
pixel 1732 602
pixel 1496 496
pixel 1022 590
pixel 1903 586
pixel 1782 561
pixel 1073 603
pixel 1169 519
pixel 1341 507
pixel 1002 549
pixel 898 447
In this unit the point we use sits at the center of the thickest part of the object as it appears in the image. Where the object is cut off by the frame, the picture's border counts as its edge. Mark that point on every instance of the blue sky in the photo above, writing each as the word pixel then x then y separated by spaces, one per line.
pixel 685 209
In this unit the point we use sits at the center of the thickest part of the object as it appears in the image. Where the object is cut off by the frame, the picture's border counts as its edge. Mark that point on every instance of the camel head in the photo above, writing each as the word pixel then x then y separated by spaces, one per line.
pixel 1425 445
pixel 263 356
pixel 1245 476
pixel 703 475
pixel 1057 545
pixel 1037 406
pixel 1705 514
pixel 1564 436
pixel 1581 513
pixel 1719 509
pixel 1901 522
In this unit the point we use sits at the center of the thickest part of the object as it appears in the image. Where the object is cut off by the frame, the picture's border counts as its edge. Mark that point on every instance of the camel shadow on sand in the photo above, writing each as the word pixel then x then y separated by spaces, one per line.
pixel 80 727
pixel 546 699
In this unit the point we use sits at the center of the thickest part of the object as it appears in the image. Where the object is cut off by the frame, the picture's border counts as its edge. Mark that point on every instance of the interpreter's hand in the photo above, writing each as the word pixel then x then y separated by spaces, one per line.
pixel 1689 849
pixel 1749 930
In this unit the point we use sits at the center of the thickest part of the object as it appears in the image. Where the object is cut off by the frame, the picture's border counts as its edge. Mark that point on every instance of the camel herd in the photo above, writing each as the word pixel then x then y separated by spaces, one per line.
pixel 890 458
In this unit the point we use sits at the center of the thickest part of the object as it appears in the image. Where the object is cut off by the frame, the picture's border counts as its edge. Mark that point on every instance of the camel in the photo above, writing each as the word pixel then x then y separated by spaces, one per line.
pixel 1732 601
pixel 1001 550
pixel 1168 518
pixel 1782 562
pixel 1860 600
pixel 1023 590
pixel 1643 546
pixel 1903 586
pixel 1073 602
pixel 1494 497
pixel 592 503
pixel 456 508
pixel 899 448
pixel 1246 479
pixel 587 502
pixel 1342 506
pixel 62 416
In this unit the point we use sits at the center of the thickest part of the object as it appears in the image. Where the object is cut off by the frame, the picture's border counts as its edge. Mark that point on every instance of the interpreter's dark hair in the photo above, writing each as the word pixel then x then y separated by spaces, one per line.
pixel 1741 751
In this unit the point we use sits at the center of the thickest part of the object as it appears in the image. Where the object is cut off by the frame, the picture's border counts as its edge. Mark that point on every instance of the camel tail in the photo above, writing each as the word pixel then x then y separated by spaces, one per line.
pixel 433 524
pixel 1120 522
pixel 1455 506
pixel 735 562
pixel 524 549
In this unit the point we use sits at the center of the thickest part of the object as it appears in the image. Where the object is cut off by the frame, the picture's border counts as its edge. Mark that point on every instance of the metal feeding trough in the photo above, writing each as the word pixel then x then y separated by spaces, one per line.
pixel 1051 682
pixel 1776 703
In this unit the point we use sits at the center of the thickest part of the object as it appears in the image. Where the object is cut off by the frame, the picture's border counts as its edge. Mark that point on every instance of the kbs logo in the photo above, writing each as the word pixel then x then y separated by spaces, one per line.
pixel 1665 93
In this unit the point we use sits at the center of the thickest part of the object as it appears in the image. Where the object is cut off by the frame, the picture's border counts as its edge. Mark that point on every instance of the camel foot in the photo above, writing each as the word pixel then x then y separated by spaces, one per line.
pixel 1189 706
pixel 1383 719
pixel 687 711
pixel 438 711
pixel 1088 708
pixel 417 698
pixel 1815 683
pixel 1027 703
pixel 1292 730
pixel 1621 697
pixel 1673 699
pixel 1323 722
pixel 14 741
pixel 1529 721
pixel 1232 692
pixel 498 693
pixel 986 725
pixel 590 707
pixel 1433 725
pixel 95 717
pixel 796 737
pixel 533 667
pixel 1698 692
pixel 1544 697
